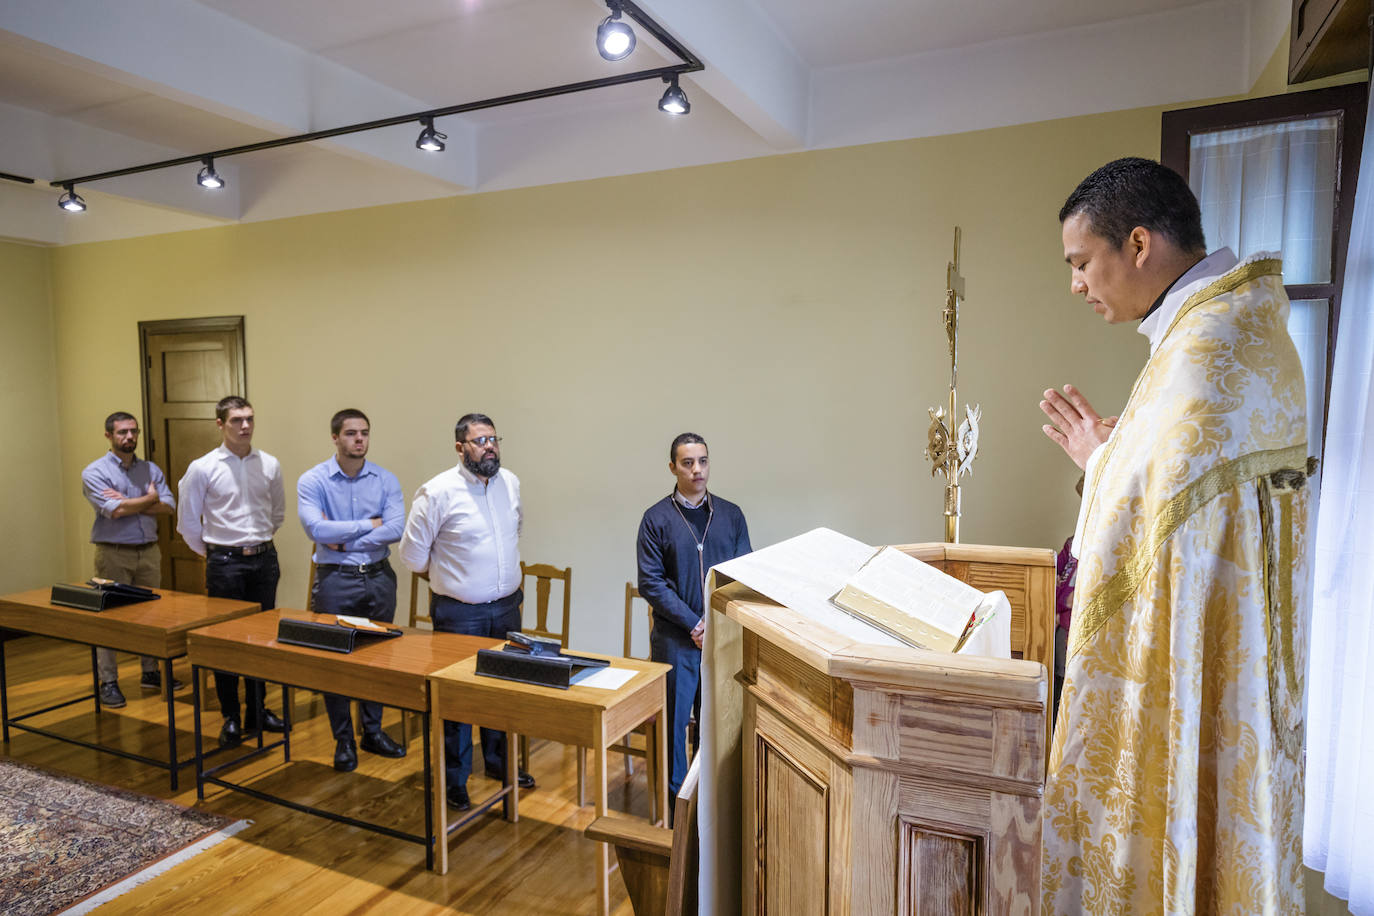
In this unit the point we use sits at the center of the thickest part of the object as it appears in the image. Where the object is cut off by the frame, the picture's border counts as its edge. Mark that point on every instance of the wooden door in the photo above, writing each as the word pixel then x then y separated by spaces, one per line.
pixel 188 365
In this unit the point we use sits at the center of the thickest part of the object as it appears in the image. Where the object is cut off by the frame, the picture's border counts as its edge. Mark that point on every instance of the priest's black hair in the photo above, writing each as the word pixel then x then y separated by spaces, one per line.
pixel 1134 192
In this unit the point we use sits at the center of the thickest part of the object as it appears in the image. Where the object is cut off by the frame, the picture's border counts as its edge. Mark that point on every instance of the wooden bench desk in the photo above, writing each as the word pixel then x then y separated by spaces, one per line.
pixel 157 628
pixel 391 672
pixel 580 716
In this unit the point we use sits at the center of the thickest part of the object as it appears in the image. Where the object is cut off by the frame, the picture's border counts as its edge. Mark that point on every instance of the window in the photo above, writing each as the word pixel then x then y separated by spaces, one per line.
pixel 1278 174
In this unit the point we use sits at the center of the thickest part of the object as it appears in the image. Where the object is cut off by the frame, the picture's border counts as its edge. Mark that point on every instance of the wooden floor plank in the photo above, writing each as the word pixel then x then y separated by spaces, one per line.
pixel 288 862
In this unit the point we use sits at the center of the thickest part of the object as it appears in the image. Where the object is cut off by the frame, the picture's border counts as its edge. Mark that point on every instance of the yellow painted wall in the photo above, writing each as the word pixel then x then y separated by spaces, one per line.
pixel 786 308
pixel 34 513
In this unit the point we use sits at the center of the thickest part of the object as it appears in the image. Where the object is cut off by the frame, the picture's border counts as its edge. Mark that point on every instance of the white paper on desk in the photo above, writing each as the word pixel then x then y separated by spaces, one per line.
pixel 361 623
pixel 610 678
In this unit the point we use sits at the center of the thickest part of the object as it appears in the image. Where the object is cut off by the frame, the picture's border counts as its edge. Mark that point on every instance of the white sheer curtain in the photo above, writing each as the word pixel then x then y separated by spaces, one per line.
pixel 1271 187
pixel 1340 693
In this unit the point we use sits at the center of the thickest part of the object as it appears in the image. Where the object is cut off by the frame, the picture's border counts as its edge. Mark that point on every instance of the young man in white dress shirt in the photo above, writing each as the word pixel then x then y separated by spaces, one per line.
pixel 232 502
pixel 463 536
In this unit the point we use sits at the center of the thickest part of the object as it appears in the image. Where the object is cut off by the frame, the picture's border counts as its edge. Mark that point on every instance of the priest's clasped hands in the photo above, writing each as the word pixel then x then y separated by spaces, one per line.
pixel 1074 425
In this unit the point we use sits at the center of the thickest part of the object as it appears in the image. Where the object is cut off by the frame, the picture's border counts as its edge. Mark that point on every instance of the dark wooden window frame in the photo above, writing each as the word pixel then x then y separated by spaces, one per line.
pixel 1348 104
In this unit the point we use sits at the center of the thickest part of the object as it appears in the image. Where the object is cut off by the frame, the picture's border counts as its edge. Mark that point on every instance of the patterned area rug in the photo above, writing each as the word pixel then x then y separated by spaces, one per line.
pixel 63 840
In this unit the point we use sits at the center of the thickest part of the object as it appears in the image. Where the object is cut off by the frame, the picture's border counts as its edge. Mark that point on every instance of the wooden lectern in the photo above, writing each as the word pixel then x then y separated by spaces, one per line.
pixel 878 779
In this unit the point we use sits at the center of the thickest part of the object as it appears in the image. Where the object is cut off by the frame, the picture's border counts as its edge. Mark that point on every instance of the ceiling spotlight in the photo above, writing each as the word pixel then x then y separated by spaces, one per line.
pixel 430 140
pixel 615 40
pixel 674 100
pixel 71 201
pixel 208 177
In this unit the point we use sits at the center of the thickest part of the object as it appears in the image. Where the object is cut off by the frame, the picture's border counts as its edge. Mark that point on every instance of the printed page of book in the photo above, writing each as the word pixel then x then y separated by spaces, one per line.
pixel 803 572
pixel 917 589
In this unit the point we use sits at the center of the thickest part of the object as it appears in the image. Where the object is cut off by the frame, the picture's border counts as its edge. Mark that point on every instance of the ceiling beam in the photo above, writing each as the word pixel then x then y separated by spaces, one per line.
pixel 750 69
pixel 230 69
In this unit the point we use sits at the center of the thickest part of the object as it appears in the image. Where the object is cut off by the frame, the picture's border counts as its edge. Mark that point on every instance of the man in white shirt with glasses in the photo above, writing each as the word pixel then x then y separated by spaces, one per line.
pixel 463 536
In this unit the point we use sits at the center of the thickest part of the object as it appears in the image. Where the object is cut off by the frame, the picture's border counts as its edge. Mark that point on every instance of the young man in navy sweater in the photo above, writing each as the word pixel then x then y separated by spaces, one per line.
pixel 680 538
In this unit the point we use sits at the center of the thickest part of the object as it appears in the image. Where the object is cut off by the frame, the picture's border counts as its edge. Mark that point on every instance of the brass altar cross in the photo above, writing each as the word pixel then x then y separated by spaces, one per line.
pixel 952 455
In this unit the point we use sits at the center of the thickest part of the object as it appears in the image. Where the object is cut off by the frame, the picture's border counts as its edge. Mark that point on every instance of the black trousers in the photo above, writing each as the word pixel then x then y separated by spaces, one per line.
pixel 684 694
pixel 341 591
pixel 494 619
pixel 254 578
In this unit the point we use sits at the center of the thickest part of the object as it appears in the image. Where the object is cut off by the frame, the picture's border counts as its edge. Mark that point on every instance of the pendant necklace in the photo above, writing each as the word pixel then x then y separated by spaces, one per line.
pixel 700 541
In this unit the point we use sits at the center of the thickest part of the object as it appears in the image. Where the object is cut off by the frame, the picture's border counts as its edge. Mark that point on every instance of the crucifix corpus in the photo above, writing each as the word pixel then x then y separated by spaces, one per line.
pixel 951 455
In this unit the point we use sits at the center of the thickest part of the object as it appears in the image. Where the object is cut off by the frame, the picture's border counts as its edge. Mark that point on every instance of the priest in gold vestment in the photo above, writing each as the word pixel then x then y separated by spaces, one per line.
pixel 1175 775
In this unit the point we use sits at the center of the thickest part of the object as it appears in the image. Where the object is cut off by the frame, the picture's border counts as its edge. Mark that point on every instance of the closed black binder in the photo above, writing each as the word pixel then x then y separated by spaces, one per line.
pixel 333 637
pixel 517 663
pixel 100 597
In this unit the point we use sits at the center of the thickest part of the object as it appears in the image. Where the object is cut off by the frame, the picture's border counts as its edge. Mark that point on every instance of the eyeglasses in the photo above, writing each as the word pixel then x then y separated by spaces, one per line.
pixel 481 441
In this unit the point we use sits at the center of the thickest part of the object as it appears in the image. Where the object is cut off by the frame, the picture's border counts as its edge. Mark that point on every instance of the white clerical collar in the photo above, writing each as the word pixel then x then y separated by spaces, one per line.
pixel 1157 324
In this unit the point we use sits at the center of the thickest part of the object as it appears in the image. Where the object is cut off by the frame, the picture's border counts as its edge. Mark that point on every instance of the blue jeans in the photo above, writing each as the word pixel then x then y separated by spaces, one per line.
pixel 339 591
pixel 252 578
pixel 684 693
pixel 494 619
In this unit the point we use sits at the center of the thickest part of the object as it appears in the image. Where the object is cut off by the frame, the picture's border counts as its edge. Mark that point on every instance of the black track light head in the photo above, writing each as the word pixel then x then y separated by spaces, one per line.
pixel 615 40
pixel 430 140
pixel 208 177
pixel 674 100
pixel 71 201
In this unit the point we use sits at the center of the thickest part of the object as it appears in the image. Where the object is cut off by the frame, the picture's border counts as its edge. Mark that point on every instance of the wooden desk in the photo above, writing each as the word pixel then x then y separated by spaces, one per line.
pixel 580 716
pixel 156 628
pixel 387 671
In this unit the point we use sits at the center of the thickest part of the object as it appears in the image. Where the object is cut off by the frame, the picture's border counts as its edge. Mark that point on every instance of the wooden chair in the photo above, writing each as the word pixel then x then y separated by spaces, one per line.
pixel 659 866
pixel 419 584
pixel 627 745
pixel 544 576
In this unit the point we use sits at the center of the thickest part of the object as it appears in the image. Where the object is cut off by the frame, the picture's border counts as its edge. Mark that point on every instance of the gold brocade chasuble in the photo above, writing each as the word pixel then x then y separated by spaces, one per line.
pixel 1175 776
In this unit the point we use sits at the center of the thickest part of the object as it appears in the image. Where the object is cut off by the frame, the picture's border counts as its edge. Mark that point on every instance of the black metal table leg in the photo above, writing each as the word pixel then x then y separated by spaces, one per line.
pixel 429 795
pixel 4 695
pixel 171 721
pixel 95 679
pixel 200 750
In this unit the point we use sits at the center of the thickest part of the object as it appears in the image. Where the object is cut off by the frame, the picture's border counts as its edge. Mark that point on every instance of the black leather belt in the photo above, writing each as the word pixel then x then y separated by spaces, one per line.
pixel 248 551
pixel 125 546
pixel 366 569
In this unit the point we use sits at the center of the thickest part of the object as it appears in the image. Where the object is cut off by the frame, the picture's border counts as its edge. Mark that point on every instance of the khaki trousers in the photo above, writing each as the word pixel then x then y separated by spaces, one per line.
pixel 131 565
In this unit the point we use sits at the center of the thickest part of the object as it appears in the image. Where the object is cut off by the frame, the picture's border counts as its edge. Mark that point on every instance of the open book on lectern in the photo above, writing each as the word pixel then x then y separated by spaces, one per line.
pixel 875 595
pixel 917 603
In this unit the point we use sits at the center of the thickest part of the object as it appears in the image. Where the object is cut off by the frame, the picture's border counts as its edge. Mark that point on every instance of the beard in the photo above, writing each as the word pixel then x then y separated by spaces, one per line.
pixel 487 467
pixel 126 448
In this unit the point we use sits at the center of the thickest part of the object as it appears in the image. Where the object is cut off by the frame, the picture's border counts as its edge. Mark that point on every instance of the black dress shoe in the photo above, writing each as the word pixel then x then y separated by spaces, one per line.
pixel 230 735
pixel 111 696
pixel 522 779
pixel 458 798
pixel 152 680
pixel 270 723
pixel 380 743
pixel 345 756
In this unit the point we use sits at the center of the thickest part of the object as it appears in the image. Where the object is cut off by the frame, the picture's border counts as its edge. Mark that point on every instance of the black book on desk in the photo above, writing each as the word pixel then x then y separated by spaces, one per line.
pixel 100 595
pixel 534 660
pixel 331 636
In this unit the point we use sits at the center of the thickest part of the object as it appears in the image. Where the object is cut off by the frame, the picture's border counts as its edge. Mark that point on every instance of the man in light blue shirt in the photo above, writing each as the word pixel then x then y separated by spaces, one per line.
pixel 352 509
pixel 128 494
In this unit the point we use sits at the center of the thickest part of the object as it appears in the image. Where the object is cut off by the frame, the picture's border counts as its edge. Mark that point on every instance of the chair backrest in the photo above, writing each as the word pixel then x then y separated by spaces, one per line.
pixel 418 586
pixel 631 593
pixel 684 861
pixel 544 576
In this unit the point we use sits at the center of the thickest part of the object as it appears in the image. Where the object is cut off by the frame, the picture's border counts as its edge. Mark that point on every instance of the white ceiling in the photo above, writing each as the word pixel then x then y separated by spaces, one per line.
pixel 89 86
